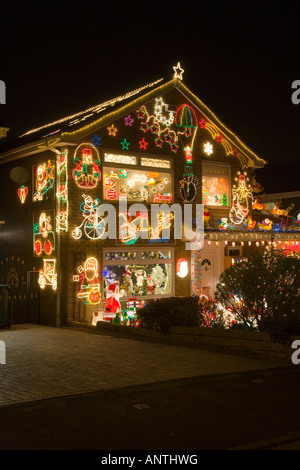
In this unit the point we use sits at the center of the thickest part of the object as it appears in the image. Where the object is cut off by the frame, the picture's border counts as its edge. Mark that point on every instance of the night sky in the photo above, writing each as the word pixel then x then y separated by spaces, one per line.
pixel 239 58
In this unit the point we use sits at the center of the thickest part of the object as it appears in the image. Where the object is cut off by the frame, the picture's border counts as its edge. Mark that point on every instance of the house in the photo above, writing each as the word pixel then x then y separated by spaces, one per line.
pixel 62 182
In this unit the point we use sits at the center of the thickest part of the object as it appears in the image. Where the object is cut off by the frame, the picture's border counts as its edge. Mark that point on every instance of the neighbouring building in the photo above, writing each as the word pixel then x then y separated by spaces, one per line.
pixel 159 144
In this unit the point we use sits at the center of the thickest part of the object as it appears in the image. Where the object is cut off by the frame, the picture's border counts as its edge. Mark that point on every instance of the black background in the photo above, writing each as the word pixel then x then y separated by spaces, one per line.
pixel 239 58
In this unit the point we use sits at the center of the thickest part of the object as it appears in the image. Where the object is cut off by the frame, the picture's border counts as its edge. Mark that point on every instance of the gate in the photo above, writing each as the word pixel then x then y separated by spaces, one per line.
pixel 22 294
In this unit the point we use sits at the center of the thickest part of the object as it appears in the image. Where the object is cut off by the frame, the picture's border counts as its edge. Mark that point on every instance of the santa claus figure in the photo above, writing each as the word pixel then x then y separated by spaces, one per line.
pixel 112 303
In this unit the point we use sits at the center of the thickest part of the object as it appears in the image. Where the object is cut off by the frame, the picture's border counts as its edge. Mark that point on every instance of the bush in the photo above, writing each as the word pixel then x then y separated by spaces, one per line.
pixel 210 314
pixel 281 328
pixel 264 292
pixel 160 314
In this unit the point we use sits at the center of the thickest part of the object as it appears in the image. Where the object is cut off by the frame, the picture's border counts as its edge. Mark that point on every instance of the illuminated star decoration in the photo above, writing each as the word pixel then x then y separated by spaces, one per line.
pixel 49 170
pixel 219 138
pixel 129 120
pixel 202 124
pixel 208 148
pixel 125 144
pixel 178 71
pixel 112 130
pixel 143 144
pixel 96 140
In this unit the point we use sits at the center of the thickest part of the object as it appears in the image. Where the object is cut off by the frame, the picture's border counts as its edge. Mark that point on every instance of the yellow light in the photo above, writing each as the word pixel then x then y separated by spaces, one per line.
pixel 48 275
pixel 178 71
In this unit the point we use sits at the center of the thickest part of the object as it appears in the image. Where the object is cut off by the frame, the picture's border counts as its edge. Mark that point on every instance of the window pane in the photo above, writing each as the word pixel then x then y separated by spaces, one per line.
pixel 122 159
pixel 215 191
pixel 155 162
pixel 159 254
pixel 121 255
pixel 139 279
pixel 136 185
pixel 216 170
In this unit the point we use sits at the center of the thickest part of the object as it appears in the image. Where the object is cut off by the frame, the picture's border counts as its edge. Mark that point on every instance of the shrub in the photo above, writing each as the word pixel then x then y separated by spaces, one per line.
pixel 160 314
pixel 210 315
pixel 263 292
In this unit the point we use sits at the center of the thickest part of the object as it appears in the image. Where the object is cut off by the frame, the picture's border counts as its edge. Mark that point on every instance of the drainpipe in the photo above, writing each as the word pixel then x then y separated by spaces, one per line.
pixel 58 252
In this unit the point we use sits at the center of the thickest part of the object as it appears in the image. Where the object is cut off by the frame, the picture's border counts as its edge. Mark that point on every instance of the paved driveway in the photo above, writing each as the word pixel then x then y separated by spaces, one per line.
pixel 44 362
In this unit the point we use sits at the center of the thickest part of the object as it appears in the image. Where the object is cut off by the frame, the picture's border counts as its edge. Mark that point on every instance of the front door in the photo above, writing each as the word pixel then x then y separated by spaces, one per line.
pixel 206 269
pixel 207 275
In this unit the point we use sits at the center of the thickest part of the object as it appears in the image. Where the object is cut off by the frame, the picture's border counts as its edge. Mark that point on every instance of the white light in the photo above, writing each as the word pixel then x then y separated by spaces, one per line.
pixel 208 148
pixel 123 159
pixel 178 71
pixel 153 162
pixel 182 268
pixel 158 108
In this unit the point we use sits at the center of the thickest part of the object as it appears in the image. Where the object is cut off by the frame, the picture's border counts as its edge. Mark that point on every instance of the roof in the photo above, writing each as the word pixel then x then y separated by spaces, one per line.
pixel 69 128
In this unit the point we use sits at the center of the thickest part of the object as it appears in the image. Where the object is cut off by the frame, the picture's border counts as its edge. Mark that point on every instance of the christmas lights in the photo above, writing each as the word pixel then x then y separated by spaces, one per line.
pixel 86 172
pixel 44 180
pixel 240 200
pixel 178 71
pixel 43 236
pixel 215 191
pixel 158 124
pixel 137 185
pixel 128 120
pixel 93 225
pixel 96 140
pixel 188 188
pixel 186 119
pixel 156 163
pixel 22 193
pixel 143 144
pixel 112 130
pixel 62 192
pixel 243 159
pixel 182 268
pixel 48 275
pixel 208 148
pixel 95 109
pixel 131 228
pixel 89 282
pixel 120 159
pixel 125 144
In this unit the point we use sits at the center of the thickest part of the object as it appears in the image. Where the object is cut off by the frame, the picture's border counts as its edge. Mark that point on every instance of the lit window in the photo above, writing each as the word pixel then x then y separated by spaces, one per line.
pixel 136 185
pixel 215 185
pixel 140 272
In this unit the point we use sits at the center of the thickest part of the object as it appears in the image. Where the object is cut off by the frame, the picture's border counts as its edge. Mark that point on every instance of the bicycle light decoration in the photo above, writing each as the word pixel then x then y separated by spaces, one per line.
pixel 92 225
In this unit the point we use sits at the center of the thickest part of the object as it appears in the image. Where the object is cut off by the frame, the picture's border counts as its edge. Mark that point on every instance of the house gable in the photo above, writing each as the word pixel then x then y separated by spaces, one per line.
pixel 171 113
